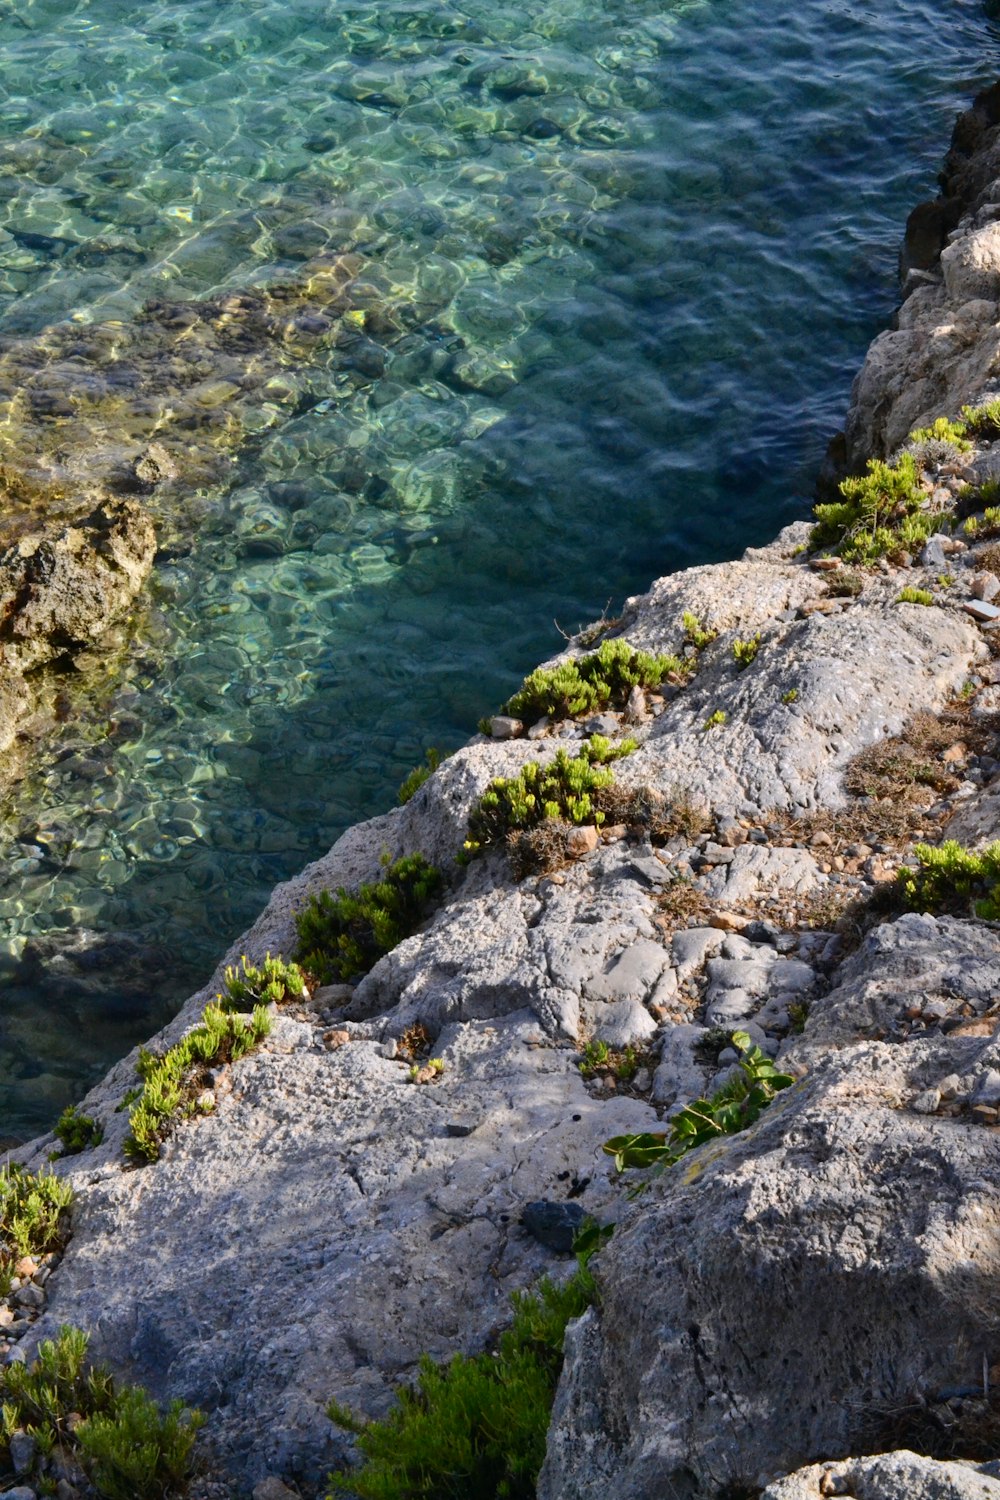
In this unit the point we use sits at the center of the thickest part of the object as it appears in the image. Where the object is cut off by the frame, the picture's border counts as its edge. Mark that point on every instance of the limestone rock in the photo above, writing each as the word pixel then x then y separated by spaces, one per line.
pixel 777 1273
pixel 890 1476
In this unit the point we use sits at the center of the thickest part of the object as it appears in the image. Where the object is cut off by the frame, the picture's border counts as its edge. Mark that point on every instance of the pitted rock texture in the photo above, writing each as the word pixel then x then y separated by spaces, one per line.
pixel 772 1292
pixel 325 1226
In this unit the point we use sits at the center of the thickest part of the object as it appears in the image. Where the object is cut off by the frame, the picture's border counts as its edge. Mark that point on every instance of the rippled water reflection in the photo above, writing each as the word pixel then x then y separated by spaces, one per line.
pixel 636 251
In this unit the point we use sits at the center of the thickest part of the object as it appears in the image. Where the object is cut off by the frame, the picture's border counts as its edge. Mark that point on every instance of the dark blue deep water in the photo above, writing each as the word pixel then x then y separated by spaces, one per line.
pixel 644 246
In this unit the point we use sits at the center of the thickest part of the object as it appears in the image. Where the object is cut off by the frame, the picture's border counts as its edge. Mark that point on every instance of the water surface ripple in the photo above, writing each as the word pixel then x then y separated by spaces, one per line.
pixel 639 250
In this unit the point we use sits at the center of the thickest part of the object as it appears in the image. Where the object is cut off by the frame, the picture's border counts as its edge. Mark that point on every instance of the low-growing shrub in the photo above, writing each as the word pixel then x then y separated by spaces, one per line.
pixel 415 780
pixel 174 1083
pixel 591 683
pixel 914 596
pixel 983 421
pixel 949 877
pixel 745 652
pixel 598 1057
pixel 475 1428
pixel 564 790
pixel 127 1448
pixel 695 633
pixel 943 430
pixel 274 982
pixel 75 1132
pixel 731 1109
pixel 33 1208
pixel 343 934
pixel 881 512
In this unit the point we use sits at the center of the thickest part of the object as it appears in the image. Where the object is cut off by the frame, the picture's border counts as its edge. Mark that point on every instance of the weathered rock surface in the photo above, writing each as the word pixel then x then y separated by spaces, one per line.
pixel 324 1226
pixel 782 1294
pixel 788 1286
pixel 941 355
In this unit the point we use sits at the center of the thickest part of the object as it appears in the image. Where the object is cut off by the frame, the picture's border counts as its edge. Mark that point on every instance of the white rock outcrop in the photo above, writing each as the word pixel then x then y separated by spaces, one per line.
pixel 803 1290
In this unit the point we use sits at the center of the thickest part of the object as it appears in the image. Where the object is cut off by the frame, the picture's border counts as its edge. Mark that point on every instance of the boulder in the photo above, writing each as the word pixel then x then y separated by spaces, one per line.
pixel 784 1292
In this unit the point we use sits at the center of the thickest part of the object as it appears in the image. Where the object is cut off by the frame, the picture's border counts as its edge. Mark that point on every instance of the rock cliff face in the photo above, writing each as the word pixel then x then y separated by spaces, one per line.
pixel 823 1284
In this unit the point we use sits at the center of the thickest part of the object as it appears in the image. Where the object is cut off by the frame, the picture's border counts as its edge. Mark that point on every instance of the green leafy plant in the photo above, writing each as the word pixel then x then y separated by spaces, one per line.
pixel 983 421
pixel 591 683
pixel 563 789
pixel 598 1057
pixel 880 512
pixel 174 1083
pixel 798 1014
pixel 943 430
pixel 594 1056
pixel 914 596
pixel 948 876
pixel 75 1132
pixel 790 696
pixel 475 1428
pixel 745 652
pixel 274 982
pixel 715 720
pixel 731 1109
pixel 33 1207
pixel 128 1449
pixel 415 780
pixel 695 633
pixel 343 934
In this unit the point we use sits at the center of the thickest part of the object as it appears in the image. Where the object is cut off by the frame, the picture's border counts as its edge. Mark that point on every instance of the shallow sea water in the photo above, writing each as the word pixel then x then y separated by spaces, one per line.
pixel 643 247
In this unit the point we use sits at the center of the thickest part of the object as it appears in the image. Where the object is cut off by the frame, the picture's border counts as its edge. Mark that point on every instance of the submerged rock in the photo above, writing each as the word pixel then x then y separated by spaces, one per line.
pixel 61 590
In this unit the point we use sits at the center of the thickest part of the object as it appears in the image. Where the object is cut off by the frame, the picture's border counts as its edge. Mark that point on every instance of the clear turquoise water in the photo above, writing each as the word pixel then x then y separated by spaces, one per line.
pixel 646 244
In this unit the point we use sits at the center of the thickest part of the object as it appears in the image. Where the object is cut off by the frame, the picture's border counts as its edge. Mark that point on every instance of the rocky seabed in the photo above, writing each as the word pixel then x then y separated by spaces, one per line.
pixel 788 1308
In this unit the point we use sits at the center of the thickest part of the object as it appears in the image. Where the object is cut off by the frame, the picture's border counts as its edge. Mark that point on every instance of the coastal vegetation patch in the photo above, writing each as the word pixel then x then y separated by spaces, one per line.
pixel 177 1085
pixel 564 791
pixel 983 421
pixel 950 878
pixel 592 683
pixel 745 652
pixel 75 1132
pixel 69 1409
pixel 911 595
pixel 343 934
pixel 412 783
pixel 943 430
pixel 273 982
pixel 475 1428
pixel 880 513
pixel 33 1210
pixel 695 633
pixel 732 1108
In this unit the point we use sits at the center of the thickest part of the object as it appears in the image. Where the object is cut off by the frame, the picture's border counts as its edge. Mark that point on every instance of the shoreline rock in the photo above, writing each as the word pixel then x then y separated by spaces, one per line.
pixel 786 1291
pixel 63 589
